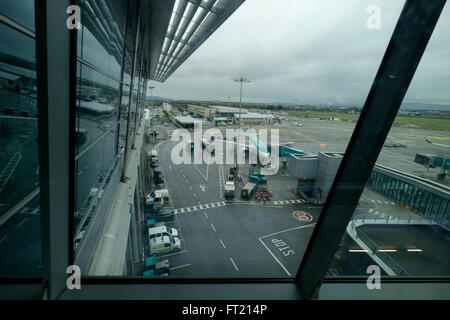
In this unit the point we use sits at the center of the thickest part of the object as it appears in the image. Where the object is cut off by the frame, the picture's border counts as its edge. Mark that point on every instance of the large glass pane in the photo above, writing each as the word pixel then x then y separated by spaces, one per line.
pixel 20 240
pixel 404 228
pixel 309 76
pixel 20 11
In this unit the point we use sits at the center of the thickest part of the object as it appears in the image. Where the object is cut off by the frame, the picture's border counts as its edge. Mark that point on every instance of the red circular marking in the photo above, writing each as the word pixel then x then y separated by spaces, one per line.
pixel 302 216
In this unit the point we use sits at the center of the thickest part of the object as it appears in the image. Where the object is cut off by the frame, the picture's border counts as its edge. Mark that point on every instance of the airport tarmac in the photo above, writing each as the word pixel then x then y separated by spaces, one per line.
pixel 247 238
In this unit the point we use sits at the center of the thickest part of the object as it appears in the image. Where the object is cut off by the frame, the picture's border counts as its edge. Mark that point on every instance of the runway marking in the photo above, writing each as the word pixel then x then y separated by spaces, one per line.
pixel 234 264
pixel 289 201
pixel 290 229
pixel 173 254
pixel 276 259
pixel 200 207
pixel 207 172
pixel 272 234
pixel 21 223
pixel 3 239
pixel 182 266
pixel 212 226
pixel 223 245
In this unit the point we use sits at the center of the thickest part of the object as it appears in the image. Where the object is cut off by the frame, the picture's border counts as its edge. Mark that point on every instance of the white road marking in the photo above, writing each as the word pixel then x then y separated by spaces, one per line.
pixel 203 188
pixel 173 254
pixel 234 264
pixel 21 223
pixel 370 210
pixel 373 201
pixel 205 215
pixel 379 201
pixel 276 259
pixel 213 227
pixel 393 203
pixel 182 266
pixel 223 245
pixel 301 227
pixel 195 196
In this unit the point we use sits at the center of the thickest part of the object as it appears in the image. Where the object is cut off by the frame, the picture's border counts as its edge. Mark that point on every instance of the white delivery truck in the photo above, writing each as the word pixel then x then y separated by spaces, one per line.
pixel 161 231
pixel 229 189
pixel 164 244
pixel 157 198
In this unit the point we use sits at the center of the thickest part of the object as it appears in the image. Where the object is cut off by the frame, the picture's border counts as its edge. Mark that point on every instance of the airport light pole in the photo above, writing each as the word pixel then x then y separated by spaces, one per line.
pixel 241 80
pixel 151 94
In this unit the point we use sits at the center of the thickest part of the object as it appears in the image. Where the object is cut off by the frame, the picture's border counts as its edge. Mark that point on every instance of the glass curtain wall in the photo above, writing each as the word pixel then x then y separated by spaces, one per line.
pixel 20 231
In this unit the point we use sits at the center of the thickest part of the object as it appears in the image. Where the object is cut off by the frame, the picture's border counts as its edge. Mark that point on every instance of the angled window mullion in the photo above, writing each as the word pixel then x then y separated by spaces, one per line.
pixel 56 82
pixel 403 54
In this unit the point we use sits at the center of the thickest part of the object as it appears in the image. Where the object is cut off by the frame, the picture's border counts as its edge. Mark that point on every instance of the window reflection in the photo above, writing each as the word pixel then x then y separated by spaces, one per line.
pixel 20 239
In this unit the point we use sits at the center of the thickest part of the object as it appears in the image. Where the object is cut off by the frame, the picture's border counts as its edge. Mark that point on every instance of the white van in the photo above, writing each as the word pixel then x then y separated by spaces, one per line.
pixel 164 244
pixel 157 232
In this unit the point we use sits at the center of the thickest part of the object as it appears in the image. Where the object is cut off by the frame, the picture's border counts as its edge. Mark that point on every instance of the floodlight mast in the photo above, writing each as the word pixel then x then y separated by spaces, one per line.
pixel 151 93
pixel 241 80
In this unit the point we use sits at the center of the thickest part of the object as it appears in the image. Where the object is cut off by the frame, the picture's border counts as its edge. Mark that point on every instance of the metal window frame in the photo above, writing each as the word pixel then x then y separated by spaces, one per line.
pixel 397 69
pixel 313 267
pixel 390 85
pixel 401 59
pixel 56 71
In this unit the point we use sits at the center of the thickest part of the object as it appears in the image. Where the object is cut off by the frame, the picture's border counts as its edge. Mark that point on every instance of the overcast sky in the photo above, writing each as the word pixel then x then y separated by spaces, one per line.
pixel 312 51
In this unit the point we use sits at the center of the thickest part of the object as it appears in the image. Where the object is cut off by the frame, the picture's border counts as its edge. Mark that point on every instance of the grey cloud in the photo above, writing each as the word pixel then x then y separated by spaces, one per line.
pixel 306 50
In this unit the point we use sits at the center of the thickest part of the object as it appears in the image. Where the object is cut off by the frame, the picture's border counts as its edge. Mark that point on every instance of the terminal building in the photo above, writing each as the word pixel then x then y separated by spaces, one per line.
pixel 227 112
pixel 315 175
pixel 254 118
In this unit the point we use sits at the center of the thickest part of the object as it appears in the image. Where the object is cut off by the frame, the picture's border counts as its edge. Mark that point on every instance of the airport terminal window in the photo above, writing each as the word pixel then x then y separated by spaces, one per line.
pixel 402 221
pixel 20 11
pixel 97 125
pixel 224 237
pixel 20 240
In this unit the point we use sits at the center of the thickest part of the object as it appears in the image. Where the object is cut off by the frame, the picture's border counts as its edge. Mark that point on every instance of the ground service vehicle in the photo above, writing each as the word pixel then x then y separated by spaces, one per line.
pixel 257 179
pixel 157 198
pixel 229 189
pixel 161 231
pixel 165 244
pixel 248 190
pixel 156 268
pixel 158 175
